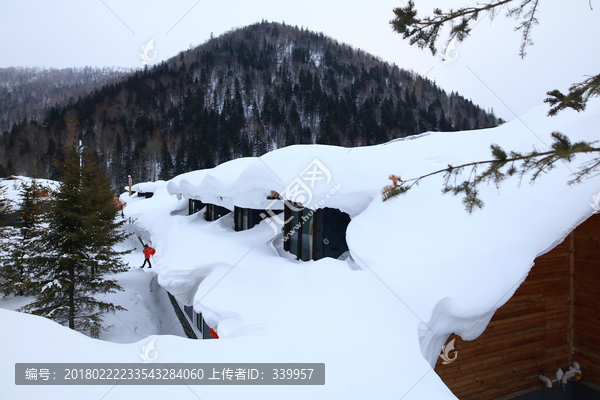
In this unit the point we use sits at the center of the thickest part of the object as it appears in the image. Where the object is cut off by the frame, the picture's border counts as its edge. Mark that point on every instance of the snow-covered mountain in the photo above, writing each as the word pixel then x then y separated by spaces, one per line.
pixel 249 91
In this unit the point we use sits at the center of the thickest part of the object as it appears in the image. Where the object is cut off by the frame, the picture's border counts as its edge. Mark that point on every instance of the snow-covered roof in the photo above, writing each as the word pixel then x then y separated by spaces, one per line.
pixel 218 185
pixel 420 267
pixel 148 187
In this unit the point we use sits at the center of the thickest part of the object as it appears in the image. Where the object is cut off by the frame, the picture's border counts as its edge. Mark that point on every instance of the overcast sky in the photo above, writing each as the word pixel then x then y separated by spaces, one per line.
pixel 487 68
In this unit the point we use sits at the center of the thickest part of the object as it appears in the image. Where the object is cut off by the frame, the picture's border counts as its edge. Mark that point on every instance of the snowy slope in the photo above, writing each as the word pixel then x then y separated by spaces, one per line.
pixel 14 187
pixel 420 266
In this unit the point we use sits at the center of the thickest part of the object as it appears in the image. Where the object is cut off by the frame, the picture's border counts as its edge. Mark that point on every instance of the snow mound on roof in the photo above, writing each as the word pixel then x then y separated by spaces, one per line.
pixel 148 187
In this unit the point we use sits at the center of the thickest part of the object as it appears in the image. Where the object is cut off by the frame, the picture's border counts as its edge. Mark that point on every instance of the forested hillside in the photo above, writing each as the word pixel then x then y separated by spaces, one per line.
pixel 242 94
pixel 30 92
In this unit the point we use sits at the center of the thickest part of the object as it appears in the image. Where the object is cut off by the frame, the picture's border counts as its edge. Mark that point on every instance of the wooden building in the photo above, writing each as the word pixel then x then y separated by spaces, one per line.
pixel 314 234
pixel 551 321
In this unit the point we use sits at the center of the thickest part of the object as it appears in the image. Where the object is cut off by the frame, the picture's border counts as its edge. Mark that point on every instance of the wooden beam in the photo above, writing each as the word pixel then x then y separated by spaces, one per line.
pixel 570 322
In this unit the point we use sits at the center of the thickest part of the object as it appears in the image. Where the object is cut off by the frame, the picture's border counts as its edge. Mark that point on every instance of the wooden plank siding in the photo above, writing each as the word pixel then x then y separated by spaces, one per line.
pixel 587 300
pixel 555 308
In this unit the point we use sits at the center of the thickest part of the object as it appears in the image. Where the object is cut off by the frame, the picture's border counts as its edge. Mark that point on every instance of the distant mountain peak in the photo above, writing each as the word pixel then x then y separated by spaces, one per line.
pixel 246 92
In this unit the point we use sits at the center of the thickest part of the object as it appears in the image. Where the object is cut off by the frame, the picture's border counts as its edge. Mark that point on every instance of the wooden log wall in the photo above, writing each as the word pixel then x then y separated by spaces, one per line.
pixel 532 333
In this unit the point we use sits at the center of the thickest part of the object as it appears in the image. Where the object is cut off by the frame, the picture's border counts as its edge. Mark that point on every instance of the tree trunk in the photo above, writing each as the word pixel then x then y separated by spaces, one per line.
pixel 72 298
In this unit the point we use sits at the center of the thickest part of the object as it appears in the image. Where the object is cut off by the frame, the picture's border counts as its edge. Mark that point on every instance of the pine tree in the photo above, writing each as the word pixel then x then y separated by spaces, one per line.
pixel 77 250
pixel 20 240
pixel 180 157
pixel 4 236
pixel 166 162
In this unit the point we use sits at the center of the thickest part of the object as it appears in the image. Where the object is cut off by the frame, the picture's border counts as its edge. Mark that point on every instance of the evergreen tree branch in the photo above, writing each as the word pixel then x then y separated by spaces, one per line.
pixel 500 168
pixel 529 20
pixel 577 97
pixel 424 32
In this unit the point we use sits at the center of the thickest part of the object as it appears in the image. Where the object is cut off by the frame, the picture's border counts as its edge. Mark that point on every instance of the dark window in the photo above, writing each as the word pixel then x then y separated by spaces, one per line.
pixel 189 310
pixel 237 218
pixel 241 219
pixel 330 233
pixel 214 212
pixel 298 231
pixel 247 218
pixel 306 221
pixel 203 327
pixel 245 222
pixel 293 230
pixel 205 330
pixel 314 234
pixel 287 214
pixel 199 322
pixel 195 206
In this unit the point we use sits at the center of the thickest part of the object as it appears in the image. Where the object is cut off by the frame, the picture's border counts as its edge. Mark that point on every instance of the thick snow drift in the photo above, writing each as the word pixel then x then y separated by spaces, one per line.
pixel 419 269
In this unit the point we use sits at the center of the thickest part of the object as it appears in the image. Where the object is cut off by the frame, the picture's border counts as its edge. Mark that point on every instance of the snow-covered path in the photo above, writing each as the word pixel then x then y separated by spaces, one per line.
pixel 149 311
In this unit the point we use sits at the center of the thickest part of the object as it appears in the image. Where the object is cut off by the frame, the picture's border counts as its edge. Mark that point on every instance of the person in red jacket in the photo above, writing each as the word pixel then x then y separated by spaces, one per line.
pixel 148 251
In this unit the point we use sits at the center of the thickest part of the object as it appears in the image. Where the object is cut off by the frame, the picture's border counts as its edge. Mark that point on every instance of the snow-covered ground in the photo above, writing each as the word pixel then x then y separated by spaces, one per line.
pixel 419 269
pixel 149 311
